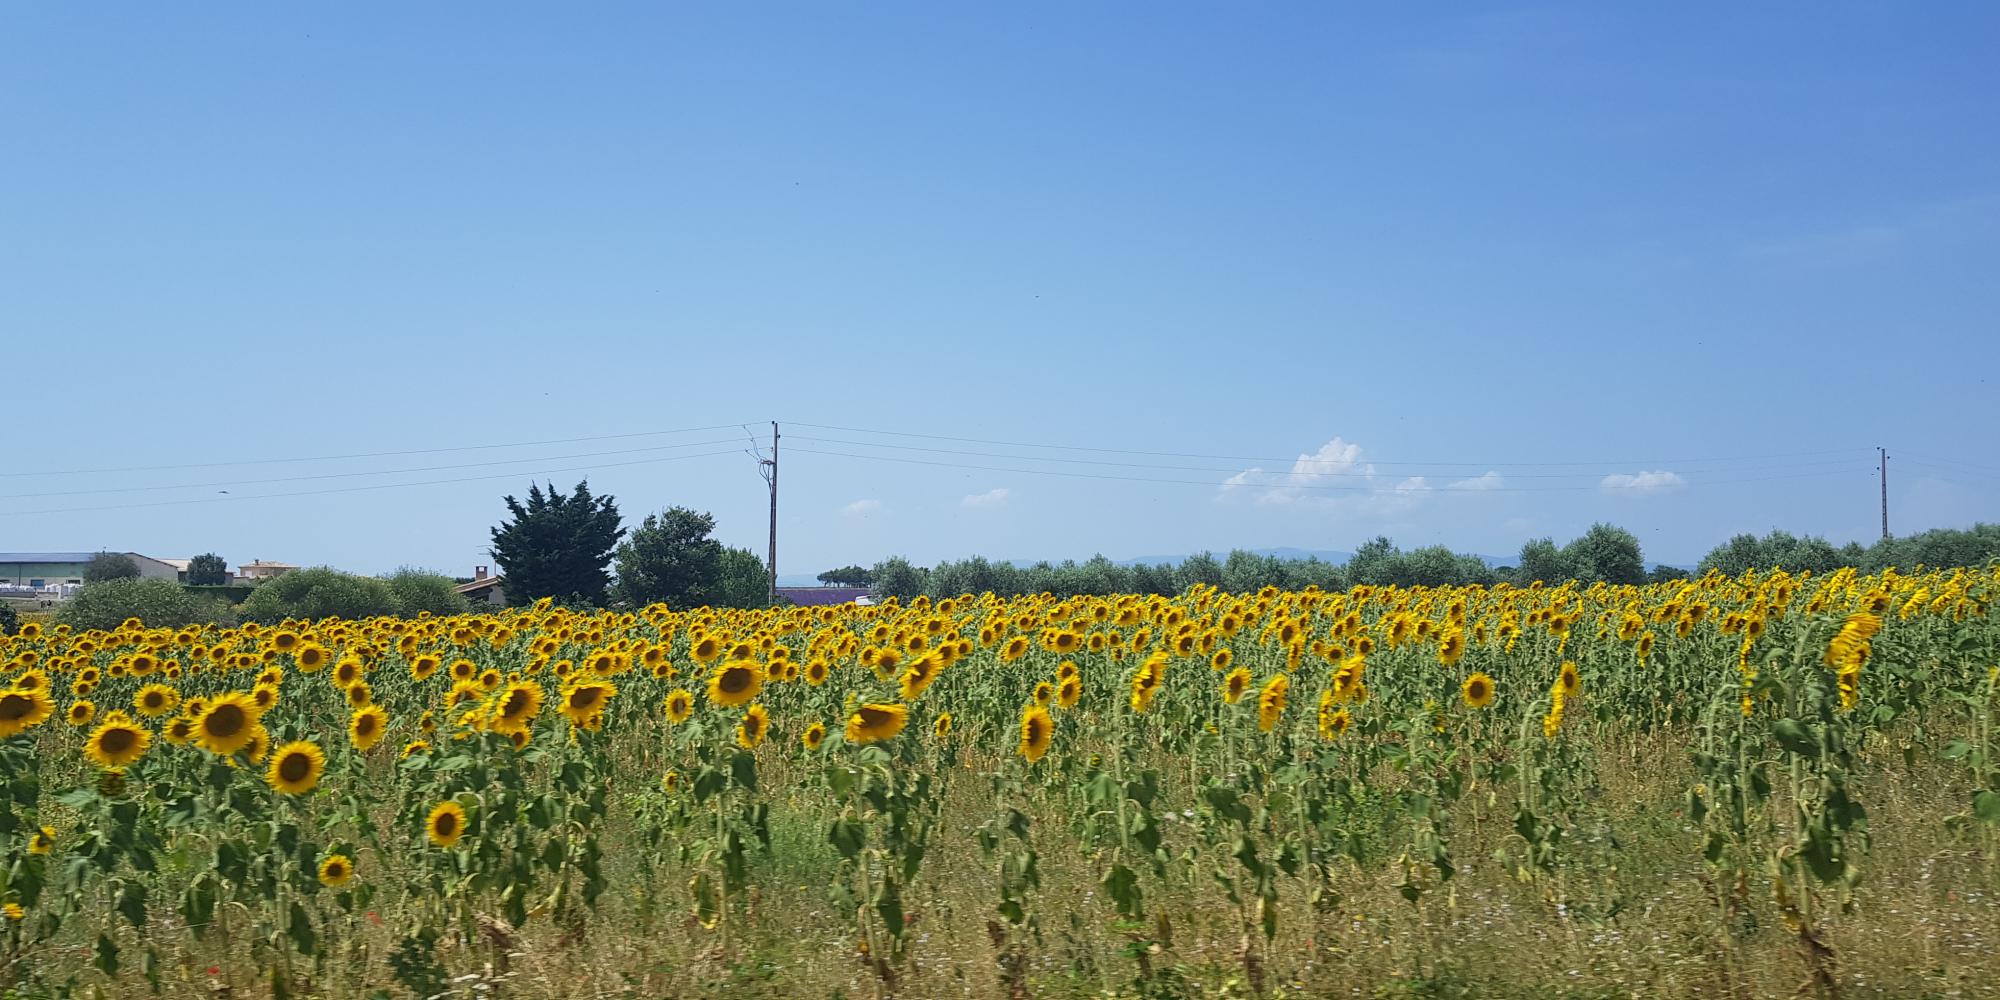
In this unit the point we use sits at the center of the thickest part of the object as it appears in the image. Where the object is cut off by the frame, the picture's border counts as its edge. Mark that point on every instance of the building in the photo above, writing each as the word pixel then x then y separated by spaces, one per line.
pixel 484 588
pixel 41 570
pixel 260 571
pixel 816 596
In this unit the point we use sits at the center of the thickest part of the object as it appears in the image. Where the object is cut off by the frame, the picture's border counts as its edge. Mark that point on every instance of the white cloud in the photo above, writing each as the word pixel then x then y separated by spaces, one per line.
pixel 861 508
pixel 1336 464
pixel 991 498
pixel 1643 482
pixel 1487 481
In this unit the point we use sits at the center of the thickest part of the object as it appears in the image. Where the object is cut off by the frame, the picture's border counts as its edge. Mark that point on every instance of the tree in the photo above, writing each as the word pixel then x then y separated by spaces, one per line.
pixel 419 590
pixel 1605 553
pixel 320 592
pixel 208 570
pixel 1541 560
pixel 847 576
pixel 158 603
pixel 110 566
pixel 557 546
pixel 669 559
pixel 742 580
pixel 899 578
pixel 10 620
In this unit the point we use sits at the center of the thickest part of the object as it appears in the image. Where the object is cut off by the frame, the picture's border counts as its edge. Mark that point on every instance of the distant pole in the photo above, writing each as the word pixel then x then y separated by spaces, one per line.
pixel 1883 468
pixel 773 597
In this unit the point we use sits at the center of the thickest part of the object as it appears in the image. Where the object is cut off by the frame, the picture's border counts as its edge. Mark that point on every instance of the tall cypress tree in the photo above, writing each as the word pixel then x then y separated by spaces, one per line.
pixel 557 546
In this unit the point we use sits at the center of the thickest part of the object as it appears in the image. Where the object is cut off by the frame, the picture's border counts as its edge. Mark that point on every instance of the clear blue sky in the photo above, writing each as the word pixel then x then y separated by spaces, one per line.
pixel 1555 243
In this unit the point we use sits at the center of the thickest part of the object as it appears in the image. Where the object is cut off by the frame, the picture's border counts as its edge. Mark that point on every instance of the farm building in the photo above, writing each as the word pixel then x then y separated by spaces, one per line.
pixel 484 588
pixel 53 569
pixel 816 596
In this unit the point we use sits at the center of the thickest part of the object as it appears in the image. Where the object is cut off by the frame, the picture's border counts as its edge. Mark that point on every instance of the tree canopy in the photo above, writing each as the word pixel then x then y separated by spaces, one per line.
pixel 110 566
pixel 669 559
pixel 207 570
pixel 558 546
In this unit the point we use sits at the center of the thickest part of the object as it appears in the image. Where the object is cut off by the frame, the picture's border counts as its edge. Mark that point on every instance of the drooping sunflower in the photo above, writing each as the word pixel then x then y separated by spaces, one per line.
pixel 679 706
pixel 155 700
pixel 1271 701
pixel 365 728
pixel 1038 731
pixel 1236 685
pixel 814 735
pixel 751 730
pixel 22 710
pixel 516 707
pixel 296 767
pixel 1477 690
pixel 875 722
pixel 335 871
pixel 584 699
pixel 226 723
pixel 735 683
pixel 1147 680
pixel 445 824
pixel 117 742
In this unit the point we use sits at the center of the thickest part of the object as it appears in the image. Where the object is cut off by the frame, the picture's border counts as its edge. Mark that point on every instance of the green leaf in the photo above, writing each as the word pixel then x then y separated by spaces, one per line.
pixel 1986 805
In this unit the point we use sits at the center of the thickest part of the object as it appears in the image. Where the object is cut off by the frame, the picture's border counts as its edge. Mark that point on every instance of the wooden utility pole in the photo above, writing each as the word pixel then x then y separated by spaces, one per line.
pixel 1883 455
pixel 773 480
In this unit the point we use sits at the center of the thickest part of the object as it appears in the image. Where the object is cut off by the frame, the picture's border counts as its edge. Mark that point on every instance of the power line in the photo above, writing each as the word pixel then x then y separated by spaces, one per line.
pixel 376 486
pixel 1342 489
pixel 374 454
pixel 1243 458
pixel 1193 468
pixel 350 475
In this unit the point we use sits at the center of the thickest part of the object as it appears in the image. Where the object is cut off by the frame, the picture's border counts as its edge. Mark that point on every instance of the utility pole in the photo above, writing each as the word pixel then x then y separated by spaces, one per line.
pixel 773 480
pixel 1883 468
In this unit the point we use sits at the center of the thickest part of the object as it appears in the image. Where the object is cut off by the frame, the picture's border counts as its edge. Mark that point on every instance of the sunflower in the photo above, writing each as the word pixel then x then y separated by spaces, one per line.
pixel 1477 690
pixel 1271 701
pixel 1568 679
pixel 179 731
pixel 259 744
pixel 751 731
pixel 22 710
pixel 1068 691
pixel 424 666
pixel 346 672
pixel 117 742
pixel 817 671
pixel 310 657
pixel 582 700
pixel 679 706
pixel 80 712
pixel 1044 692
pixel 941 728
pixel 705 649
pixel 37 680
pixel 335 871
pixel 155 700
pixel 415 747
pixel 1222 659
pixel 43 841
pixel 736 683
pixel 1066 669
pixel 515 709
pixel 226 723
pixel 296 767
pixel 365 729
pixel 1451 648
pixel 875 722
pixel 1037 732
pixel 445 824
pixel 1235 685
pixel 814 735
pixel 921 672
pixel 359 695
pixel 1016 648
pixel 1146 681
pixel 265 696
pixel 1333 724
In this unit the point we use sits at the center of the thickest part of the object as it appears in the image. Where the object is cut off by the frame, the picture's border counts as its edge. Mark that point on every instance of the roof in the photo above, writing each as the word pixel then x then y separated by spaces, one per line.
pixel 47 557
pixel 480 584
pixel 814 596
pixel 266 565
pixel 179 564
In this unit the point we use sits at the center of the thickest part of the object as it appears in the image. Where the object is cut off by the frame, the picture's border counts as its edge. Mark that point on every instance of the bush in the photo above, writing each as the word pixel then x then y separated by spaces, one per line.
pixel 106 566
pixel 159 603
pixel 320 592
pixel 10 622
pixel 419 590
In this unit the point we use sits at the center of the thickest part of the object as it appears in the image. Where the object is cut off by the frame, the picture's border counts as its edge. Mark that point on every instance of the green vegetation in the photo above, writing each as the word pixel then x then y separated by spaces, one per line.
pixel 107 604
pixel 558 546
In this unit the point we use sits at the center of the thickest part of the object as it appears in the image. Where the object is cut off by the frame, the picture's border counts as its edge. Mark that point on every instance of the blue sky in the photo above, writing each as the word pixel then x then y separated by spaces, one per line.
pixel 1677 269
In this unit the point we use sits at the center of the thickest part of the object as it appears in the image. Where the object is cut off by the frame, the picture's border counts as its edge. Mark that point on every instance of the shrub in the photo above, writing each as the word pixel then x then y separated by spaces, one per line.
pixel 10 622
pixel 320 592
pixel 421 590
pixel 159 603
pixel 110 566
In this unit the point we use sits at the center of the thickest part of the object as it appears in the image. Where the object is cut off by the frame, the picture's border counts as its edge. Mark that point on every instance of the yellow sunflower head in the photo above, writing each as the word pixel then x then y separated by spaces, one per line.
pixel 296 767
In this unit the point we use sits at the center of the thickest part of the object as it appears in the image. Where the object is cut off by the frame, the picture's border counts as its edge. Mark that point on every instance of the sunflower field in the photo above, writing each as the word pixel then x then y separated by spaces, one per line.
pixel 1730 786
